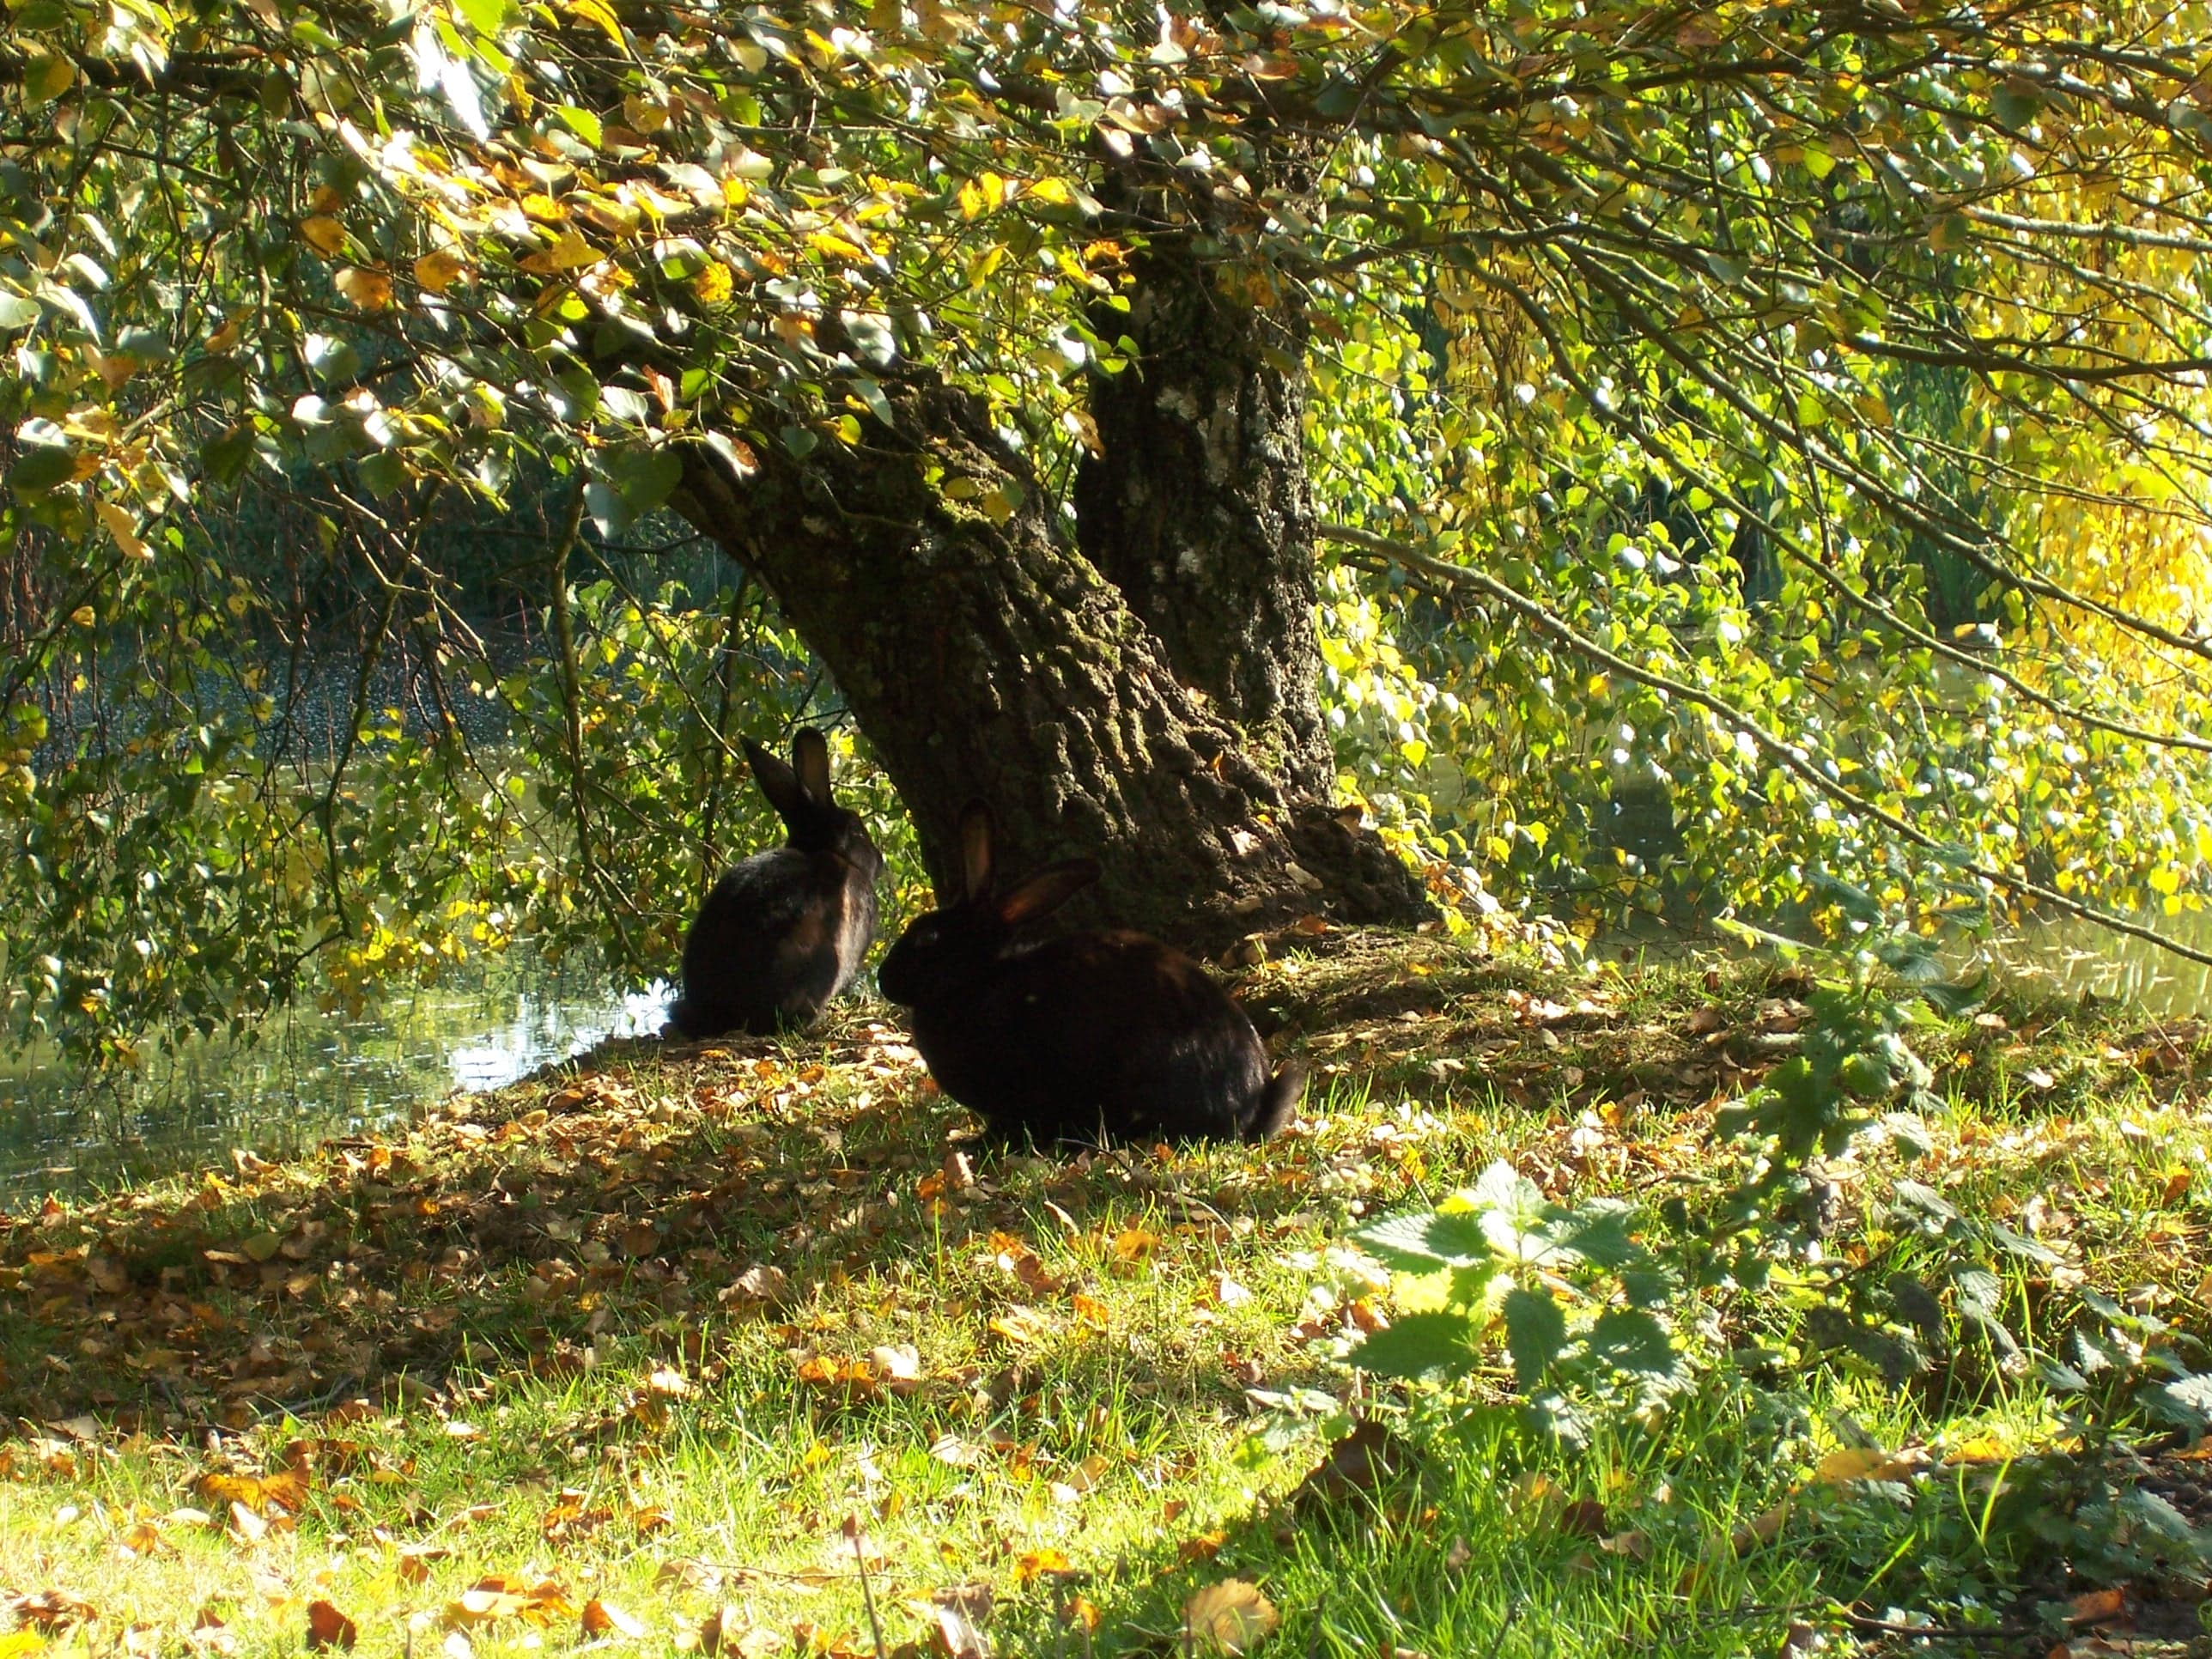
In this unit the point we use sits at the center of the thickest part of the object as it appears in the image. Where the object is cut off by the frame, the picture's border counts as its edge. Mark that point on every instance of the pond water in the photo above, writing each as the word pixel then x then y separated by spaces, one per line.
pixel 2077 958
pixel 311 1074
pixel 307 1075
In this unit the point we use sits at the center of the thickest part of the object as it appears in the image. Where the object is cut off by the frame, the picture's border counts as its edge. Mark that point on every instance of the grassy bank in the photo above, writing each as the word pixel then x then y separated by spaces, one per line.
pixel 736 1349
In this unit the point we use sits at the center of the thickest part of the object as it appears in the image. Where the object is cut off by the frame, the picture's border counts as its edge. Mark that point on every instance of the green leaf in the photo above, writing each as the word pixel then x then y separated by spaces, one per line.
pixel 872 393
pixel 1420 1345
pixel 1978 1289
pixel 1423 1243
pixel 223 459
pixel 18 311
pixel 652 479
pixel 2191 1393
pixel 2017 102
pixel 581 122
pixel 2020 1245
pixel 1535 1332
pixel 611 514
pixel 39 467
pixel 1628 1341
pixel 485 17
pixel 1595 1232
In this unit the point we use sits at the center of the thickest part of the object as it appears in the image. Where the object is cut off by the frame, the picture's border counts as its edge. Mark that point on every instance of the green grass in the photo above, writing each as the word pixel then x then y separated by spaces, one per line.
pixel 655 1329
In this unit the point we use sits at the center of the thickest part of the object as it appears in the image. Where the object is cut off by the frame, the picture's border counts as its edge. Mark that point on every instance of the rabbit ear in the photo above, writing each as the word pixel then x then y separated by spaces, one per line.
pixel 975 848
pixel 777 781
pixel 810 753
pixel 1042 894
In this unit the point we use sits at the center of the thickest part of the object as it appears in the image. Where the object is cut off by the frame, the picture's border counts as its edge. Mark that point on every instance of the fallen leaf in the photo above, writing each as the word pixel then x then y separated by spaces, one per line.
pixel 1584 1518
pixel 1231 1616
pixel 1761 1529
pixel 1360 1460
pixel 603 1618
pixel 1035 1563
pixel 899 1366
pixel 52 1610
pixel 414 1562
pixel 2096 1606
pixel 1133 1245
pixel 329 1628
pixel 953 1637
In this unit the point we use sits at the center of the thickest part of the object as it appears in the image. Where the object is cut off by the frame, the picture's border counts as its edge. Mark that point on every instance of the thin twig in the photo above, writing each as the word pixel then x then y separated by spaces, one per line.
pixel 867 1594
pixel 1792 757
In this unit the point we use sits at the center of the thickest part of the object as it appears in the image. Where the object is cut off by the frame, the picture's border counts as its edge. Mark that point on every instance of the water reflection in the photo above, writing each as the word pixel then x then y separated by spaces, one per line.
pixel 307 1075
pixel 2072 959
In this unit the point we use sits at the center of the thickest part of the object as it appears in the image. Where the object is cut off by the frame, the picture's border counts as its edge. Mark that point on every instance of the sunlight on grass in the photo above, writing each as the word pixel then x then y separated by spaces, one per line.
pixel 633 1347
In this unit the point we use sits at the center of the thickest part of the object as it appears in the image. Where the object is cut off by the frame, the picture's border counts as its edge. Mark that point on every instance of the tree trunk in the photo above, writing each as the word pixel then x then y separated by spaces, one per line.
pixel 982 659
pixel 1195 502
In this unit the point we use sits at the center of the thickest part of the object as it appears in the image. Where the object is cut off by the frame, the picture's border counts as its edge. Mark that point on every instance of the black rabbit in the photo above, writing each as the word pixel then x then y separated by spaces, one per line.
pixel 783 932
pixel 1088 1037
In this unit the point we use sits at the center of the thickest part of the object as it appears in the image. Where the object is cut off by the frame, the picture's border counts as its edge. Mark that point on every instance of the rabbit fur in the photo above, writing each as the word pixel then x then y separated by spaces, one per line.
pixel 783 932
pixel 1088 1037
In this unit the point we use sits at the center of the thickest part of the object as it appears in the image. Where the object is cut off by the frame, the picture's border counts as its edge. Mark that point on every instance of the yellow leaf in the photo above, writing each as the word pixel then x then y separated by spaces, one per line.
pixel 114 370
pixel 599 13
pixel 543 207
pixel 324 234
pixel 438 270
pixel 368 290
pixel 1054 190
pixel 1850 1463
pixel 645 116
pixel 1134 1244
pixel 1231 1616
pixel 831 246
pixel 714 283
pixel 571 253
pixel 1038 1563
pixel 118 523
pixel 47 75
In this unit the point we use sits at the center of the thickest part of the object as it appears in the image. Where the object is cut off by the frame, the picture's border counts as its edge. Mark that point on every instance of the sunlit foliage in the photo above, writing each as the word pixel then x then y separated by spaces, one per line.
pixel 1766 448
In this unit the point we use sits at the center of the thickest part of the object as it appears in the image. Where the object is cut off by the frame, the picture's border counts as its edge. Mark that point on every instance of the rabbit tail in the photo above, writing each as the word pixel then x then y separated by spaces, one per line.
pixel 1277 1102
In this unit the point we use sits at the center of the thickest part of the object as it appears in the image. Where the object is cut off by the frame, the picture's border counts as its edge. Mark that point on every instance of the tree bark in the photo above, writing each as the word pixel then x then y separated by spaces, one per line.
pixel 1195 502
pixel 982 658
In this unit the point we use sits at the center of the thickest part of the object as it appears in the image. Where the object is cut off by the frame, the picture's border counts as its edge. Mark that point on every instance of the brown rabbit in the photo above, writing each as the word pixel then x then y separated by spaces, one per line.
pixel 783 932
pixel 1088 1037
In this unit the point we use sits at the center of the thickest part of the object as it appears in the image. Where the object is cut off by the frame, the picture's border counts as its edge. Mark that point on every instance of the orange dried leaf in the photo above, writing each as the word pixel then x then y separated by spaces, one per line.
pixel 604 1618
pixel 2096 1606
pixel 329 1628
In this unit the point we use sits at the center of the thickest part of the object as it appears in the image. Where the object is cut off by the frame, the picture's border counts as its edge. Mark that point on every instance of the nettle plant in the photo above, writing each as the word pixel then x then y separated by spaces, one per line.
pixel 1606 1309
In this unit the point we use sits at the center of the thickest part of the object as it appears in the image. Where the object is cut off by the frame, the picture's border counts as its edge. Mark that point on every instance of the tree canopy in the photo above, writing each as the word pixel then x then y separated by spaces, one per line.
pixel 1792 416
